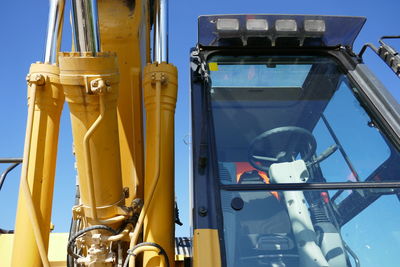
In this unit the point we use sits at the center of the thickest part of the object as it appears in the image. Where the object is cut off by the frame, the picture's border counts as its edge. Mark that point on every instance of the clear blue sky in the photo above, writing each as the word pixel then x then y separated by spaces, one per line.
pixel 22 32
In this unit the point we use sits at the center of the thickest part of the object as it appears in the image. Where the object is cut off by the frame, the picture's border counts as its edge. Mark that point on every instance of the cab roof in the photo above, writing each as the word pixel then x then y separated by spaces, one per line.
pixel 278 30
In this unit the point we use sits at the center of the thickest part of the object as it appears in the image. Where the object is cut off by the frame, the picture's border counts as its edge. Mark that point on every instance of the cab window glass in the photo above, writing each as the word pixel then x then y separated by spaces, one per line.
pixel 271 109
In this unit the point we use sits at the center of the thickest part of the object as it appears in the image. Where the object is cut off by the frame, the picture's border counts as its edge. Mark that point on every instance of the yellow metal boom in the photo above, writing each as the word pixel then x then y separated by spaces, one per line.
pixel 126 202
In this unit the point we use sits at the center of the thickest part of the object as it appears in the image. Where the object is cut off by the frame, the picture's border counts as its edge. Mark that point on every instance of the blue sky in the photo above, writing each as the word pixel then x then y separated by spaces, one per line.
pixel 23 29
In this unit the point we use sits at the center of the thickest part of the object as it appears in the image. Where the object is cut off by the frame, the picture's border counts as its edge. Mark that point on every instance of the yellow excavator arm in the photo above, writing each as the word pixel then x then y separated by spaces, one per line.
pixel 122 103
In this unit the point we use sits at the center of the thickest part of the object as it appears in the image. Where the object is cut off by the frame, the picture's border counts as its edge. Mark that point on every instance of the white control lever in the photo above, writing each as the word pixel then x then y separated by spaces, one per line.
pixel 296 172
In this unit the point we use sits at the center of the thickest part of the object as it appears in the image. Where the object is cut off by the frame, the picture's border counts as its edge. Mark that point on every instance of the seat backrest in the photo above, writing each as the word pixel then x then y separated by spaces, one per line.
pixel 262 213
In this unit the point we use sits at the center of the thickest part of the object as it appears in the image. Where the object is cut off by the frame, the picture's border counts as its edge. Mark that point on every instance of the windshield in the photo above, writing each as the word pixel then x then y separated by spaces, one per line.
pixel 298 119
pixel 312 105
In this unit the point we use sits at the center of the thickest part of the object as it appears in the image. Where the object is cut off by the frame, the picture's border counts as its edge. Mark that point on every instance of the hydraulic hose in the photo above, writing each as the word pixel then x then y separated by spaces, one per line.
pixel 70 246
pixel 142 247
pixel 24 182
pixel 4 174
pixel 89 171
pixel 117 235
pixel 120 235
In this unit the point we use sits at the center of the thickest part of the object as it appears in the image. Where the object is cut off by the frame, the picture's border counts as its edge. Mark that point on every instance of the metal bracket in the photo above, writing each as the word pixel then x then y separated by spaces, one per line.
pixel 100 86
pixel 78 212
pixel 199 65
pixel 387 53
pixel 36 78
pixel 159 76
pixel 97 84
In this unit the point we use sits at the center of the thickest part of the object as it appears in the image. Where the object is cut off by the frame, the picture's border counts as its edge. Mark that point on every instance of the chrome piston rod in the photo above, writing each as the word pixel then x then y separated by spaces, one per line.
pixel 160 46
pixel 54 30
pixel 86 26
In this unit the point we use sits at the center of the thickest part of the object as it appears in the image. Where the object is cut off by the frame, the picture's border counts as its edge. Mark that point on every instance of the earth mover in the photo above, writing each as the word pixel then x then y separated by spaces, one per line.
pixel 295 144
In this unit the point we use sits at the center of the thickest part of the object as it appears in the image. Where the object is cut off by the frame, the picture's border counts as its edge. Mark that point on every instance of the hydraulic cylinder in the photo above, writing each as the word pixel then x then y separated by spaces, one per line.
pixel 126 35
pixel 160 94
pixel 32 227
pixel 91 90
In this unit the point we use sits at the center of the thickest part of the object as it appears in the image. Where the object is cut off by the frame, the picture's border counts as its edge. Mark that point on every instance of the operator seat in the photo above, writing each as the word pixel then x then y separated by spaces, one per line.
pixel 262 213
pixel 263 227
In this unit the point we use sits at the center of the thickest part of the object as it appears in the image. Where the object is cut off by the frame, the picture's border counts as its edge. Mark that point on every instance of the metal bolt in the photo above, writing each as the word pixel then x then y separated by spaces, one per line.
pixel 39 79
pixel 137 205
pixel 126 192
pixel 203 211
pixel 99 86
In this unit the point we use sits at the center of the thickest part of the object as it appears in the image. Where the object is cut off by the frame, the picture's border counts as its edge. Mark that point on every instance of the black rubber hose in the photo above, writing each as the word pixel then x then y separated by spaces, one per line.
pixel 162 252
pixel 4 231
pixel 4 174
pixel 73 229
pixel 2 179
pixel 71 242
pixel 75 225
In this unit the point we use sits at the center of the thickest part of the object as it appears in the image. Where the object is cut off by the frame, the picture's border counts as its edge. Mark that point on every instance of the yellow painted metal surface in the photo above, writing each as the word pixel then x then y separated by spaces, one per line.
pixel 179 260
pixel 159 220
pixel 57 253
pixel 57 249
pixel 94 114
pixel 206 249
pixel 108 137
pixel 39 165
pixel 124 29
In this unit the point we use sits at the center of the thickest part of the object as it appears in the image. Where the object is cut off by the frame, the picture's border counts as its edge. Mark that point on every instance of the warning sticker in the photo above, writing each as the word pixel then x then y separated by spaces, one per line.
pixel 213 66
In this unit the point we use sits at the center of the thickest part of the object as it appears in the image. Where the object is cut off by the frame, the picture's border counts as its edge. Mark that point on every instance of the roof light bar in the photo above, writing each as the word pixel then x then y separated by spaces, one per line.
pixel 256 25
pixel 278 30
pixel 286 25
pixel 228 24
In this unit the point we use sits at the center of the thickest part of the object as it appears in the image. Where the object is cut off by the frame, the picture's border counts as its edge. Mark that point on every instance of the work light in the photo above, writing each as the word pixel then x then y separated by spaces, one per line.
pixel 313 25
pixel 256 25
pixel 285 25
pixel 227 24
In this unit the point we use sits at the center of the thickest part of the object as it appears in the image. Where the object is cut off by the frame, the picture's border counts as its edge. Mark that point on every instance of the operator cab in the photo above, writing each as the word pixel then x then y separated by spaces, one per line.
pixel 295 144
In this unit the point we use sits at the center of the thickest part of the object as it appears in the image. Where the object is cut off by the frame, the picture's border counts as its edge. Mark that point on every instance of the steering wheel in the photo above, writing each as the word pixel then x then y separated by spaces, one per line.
pixel 298 140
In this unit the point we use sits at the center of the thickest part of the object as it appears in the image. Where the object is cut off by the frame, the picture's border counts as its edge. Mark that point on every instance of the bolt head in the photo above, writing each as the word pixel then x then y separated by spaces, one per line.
pixel 126 192
pixel 203 211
